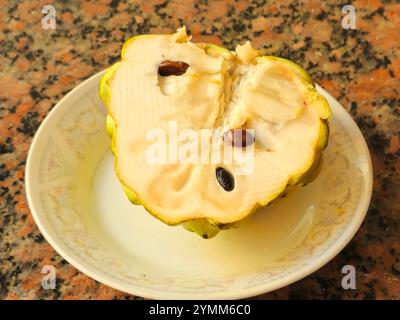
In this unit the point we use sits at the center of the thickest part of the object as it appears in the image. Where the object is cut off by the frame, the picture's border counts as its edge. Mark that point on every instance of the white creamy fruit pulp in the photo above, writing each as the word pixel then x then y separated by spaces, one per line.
pixel 220 89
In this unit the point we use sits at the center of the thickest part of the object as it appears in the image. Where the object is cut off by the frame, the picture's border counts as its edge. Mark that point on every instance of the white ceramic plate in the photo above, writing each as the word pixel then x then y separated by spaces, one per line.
pixel 81 209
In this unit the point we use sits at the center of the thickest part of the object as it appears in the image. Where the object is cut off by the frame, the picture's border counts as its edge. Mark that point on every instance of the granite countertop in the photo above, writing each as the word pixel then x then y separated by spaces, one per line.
pixel 360 68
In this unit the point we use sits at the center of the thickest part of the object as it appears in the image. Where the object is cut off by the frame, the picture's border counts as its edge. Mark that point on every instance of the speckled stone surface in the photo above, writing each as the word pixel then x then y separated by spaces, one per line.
pixel 360 68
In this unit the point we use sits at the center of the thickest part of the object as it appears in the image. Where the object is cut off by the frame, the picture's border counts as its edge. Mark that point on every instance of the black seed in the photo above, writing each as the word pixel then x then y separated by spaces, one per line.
pixel 225 179
pixel 239 137
pixel 172 68
pixel 205 236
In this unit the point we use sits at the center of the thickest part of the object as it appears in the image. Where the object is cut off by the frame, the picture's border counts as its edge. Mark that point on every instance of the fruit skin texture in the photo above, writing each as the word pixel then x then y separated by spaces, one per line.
pixel 204 227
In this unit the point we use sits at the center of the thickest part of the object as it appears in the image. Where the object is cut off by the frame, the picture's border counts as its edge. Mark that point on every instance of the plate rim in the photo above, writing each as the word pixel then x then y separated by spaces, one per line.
pixel 339 244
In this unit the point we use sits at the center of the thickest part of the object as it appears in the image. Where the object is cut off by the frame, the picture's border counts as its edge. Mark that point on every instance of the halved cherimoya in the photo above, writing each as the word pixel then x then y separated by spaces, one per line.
pixel 264 105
